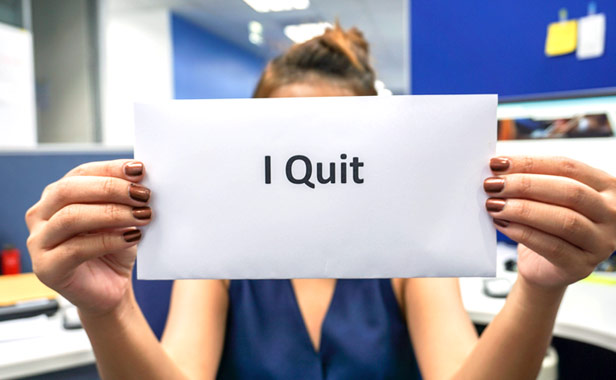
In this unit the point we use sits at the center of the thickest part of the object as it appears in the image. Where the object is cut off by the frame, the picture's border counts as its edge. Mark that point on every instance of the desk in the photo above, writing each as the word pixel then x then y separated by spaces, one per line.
pixel 587 313
pixel 57 349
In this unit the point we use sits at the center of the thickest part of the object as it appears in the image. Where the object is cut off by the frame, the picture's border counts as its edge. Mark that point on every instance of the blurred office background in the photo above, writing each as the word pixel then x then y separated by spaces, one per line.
pixel 71 70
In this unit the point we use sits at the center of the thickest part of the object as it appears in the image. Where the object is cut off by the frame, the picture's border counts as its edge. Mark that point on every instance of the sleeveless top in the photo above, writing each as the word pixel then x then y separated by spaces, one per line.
pixel 363 334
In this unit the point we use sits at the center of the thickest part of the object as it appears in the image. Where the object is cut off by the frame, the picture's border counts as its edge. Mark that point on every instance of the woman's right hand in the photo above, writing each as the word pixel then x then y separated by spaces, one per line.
pixel 84 231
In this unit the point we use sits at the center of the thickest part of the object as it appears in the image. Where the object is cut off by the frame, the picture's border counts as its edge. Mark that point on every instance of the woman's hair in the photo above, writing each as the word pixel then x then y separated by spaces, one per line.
pixel 337 56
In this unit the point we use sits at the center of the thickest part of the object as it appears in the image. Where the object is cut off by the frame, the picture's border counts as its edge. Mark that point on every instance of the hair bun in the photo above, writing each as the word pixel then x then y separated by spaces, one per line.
pixel 337 55
pixel 350 43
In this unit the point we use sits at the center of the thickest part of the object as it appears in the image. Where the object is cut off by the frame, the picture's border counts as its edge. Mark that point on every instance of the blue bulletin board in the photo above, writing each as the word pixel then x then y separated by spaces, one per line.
pixel 498 47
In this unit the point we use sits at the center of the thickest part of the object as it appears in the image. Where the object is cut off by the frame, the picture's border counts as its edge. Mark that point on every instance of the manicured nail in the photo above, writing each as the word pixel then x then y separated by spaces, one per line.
pixel 138 192
pixel 495 204
pixel 499 164
pixel 142 212
pixel 501 222
pixel 494 184
pixel 132 235
pixel 133 169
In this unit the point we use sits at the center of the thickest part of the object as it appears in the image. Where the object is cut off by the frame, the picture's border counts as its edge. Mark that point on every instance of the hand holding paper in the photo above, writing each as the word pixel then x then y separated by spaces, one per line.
pixel 343 187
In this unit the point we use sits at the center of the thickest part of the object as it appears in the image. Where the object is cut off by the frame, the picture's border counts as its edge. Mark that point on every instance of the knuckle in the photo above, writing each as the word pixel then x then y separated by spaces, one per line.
pixel 41 269
pixel 112 212
pixel 557 250
pixel 108 186
pixel 574 195
pixel 67 216
pixel 31 215
pixel 528 164
pixel 31 242
pixel 49 189
pixel 569 167
pixel 71 254
pixel 526 186
pixel 571 224
pixel 527 234
pixel 106 242
pixel 61 191
pixel 79 170
pixel 523 209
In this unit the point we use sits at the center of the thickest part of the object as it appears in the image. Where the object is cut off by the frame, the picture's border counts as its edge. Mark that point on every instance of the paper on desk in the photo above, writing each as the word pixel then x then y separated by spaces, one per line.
pixel 415 208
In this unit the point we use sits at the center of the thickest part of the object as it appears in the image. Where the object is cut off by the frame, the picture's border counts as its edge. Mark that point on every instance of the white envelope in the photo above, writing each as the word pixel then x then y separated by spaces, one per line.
pixel 412 204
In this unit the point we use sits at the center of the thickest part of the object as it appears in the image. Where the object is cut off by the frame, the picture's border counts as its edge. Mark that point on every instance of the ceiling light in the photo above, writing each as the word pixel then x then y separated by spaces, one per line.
pixel 255 38
pixel 303 32
pixel 255 33
pixel 255 27
pixel 263 6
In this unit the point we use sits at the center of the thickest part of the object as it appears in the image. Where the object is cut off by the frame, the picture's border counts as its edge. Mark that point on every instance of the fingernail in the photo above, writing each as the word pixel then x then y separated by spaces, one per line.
pixel 501 222
pixel 495 204
pixel 499 164
pixel 133 169
pixel 132 235
pixel 142 212
pixel 138 192
pixel 494 184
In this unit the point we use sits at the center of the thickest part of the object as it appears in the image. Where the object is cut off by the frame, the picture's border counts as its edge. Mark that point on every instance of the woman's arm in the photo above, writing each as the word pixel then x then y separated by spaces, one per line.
pixel 196 325
pixel 563 214
pixel 83 236
pixel 126 348
pixel 446 344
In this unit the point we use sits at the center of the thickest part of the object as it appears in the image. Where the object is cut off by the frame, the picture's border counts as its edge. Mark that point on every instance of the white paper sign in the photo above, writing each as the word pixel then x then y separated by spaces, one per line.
pixel 406 198
pixel 591 36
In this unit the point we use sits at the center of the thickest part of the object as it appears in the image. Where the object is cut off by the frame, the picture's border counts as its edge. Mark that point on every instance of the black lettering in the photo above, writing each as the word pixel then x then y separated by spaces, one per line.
pixel 343 169
pixel 268 169
pixel 332 173
pixel 306 178
pixel 356 164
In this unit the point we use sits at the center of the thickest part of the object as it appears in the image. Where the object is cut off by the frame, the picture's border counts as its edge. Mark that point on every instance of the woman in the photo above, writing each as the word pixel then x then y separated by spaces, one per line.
pixel 85 228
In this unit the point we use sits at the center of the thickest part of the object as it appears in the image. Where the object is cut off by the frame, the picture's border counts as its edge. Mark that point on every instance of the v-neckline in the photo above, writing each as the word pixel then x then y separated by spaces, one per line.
pixel 302 322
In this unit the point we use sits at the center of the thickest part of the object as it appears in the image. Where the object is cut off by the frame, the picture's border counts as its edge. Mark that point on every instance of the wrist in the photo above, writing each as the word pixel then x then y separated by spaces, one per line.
pixel 117 313
pixel 536 296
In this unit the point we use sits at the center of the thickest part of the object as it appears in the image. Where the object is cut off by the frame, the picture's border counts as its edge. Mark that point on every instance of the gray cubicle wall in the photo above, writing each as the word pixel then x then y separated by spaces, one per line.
pixel 24 175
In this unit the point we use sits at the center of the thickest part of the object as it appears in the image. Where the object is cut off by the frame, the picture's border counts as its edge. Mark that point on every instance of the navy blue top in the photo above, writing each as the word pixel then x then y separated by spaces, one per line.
pixel 364 335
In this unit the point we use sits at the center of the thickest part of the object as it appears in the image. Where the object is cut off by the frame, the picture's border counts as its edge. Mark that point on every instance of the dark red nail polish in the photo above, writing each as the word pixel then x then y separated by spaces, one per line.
pixel 494 184
pixel 142 212
pixel 133 169
pixel 499 164
pixel 132 236
pixel 138 192
pixel 495 204
pixel 501 222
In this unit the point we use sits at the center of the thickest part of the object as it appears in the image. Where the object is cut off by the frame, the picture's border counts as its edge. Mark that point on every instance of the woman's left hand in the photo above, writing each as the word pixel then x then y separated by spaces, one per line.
pixel 561 211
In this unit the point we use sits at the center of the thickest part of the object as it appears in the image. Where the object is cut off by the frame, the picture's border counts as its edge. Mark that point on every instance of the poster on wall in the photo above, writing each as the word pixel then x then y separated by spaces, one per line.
pixel 17 105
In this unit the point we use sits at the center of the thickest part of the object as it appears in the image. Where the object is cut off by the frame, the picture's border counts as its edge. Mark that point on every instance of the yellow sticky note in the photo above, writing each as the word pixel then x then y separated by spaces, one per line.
pixel 561 38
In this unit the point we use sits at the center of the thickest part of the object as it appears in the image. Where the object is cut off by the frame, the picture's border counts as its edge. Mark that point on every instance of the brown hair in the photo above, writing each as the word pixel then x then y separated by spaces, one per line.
pixel 337 56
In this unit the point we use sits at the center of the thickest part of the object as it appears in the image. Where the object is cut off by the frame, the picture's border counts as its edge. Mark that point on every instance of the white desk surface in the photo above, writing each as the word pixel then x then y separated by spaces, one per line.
pixel 50 348
pixel 587 313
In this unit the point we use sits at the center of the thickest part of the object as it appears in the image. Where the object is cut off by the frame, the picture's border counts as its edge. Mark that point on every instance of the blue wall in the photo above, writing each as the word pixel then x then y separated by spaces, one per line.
pixel 208 67
pixel 498 47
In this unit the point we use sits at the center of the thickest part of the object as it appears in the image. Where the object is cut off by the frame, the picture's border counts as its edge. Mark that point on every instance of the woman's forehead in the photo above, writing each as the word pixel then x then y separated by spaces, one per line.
pixel 304 89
